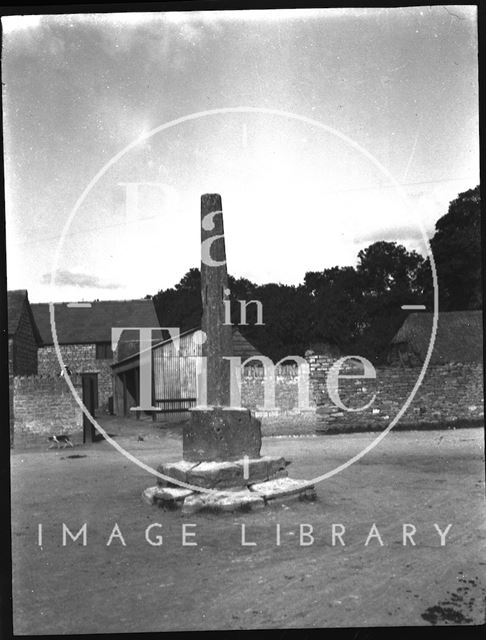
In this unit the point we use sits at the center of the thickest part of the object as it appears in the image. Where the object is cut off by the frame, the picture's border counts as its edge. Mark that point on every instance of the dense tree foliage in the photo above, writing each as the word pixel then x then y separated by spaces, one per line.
pixel 358 309
pixel 180 306
pixel 456 247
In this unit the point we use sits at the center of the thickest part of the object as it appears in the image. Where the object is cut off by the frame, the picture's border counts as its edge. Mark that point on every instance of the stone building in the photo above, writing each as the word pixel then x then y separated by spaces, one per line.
pixel 84 336
pixel 23 342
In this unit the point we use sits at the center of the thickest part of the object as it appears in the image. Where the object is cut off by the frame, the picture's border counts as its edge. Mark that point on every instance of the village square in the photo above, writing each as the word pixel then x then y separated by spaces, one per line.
pixel 180 407
pixel 244 324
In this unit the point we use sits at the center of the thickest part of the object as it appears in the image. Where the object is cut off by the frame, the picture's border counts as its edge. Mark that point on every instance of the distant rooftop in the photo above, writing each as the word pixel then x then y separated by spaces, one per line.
pixel 459 336
pixel 85 325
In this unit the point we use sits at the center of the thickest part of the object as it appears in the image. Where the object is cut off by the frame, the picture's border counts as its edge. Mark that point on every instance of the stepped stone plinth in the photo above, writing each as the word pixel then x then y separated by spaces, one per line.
pixel 221 443
pixel 226 474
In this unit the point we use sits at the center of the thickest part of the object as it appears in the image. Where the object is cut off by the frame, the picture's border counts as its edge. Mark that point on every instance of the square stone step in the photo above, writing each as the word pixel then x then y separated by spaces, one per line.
pixel 168 496
pixel 177 470
pixel 222 502
pixel 222 475
pixel 284 487
pixel 212 475
pixel 229 500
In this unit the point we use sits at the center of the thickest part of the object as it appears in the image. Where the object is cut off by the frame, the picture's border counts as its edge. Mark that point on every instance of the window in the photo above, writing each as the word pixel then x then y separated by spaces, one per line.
pixel 103 351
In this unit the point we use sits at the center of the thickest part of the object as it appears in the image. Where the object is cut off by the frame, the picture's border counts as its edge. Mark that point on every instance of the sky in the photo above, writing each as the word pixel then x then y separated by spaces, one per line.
pixel 301 192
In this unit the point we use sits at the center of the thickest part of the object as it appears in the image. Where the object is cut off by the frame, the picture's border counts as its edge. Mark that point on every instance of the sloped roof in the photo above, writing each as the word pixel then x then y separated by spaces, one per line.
pixel 83 325
pixel 17 300
pixel 459 336
pixel 241 347
pixel 15 304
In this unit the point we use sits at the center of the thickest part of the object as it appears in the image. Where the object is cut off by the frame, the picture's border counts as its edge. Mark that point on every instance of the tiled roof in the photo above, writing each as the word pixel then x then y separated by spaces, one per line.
pixel 84 325
pixel 459 336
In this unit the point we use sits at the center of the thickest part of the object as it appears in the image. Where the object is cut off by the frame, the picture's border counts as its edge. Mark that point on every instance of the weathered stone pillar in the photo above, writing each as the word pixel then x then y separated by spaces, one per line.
pixel 217 432
pixel 214 288
pixel 221 444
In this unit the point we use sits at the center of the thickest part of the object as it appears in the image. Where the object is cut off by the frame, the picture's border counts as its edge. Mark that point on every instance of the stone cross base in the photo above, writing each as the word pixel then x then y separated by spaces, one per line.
pixel 221 452
pixel 221 434
pixel 223 475
pixel 252 497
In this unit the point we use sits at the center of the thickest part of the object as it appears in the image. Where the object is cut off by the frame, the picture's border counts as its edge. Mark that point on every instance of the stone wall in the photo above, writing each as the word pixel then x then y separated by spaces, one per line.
pixel 450 394
pixel 286 390
pixel 80 358
pixel 287 418
pixel 319 366
pixel 44 406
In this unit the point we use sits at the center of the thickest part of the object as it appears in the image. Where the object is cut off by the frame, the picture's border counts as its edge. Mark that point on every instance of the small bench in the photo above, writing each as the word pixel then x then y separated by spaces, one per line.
pixel 155 410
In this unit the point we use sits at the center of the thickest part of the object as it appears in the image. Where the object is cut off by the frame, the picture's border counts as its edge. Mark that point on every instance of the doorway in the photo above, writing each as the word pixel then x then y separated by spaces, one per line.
pixel 90 401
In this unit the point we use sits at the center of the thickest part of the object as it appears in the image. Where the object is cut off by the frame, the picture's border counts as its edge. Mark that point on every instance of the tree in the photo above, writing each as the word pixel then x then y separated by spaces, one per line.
pixel 190 282
pixel 387 267
pixel 456 247
pixel 181 306
pixel 286 315
pixel 336 311
pixel 390 276
pixel 357 309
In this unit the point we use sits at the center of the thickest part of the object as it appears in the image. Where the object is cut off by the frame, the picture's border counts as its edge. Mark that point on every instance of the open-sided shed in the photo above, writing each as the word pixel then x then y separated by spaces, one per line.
pixel 173 374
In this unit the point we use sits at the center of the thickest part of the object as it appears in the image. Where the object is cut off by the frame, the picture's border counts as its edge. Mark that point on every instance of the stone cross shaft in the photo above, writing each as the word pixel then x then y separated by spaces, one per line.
pixel 221 444
pixel 217 431
pixel 214 287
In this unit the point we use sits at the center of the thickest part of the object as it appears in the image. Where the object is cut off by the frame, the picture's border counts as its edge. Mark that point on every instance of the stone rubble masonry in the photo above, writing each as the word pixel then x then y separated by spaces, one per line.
pixel 449 394
pixel 80 358
pixel 286 391
pixel 44 406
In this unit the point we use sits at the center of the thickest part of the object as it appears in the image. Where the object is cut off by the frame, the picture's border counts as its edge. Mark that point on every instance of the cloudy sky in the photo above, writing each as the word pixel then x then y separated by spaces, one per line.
pixel 78 89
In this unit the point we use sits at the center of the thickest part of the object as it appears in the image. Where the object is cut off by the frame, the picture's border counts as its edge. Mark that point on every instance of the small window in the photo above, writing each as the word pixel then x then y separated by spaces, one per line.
pixel 103 351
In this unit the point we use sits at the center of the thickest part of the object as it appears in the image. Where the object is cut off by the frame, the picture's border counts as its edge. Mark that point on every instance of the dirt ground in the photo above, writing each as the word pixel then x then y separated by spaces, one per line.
pixel 433 477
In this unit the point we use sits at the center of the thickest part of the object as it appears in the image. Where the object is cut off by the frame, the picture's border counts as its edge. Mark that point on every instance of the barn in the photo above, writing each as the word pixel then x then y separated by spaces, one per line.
pixel 24 341
pixel 84 337
pixel 173 375
pixel 24 338
pixel 459 339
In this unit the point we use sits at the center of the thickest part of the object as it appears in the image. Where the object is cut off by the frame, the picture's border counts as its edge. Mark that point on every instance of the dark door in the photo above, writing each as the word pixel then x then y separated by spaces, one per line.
pixel 90 401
